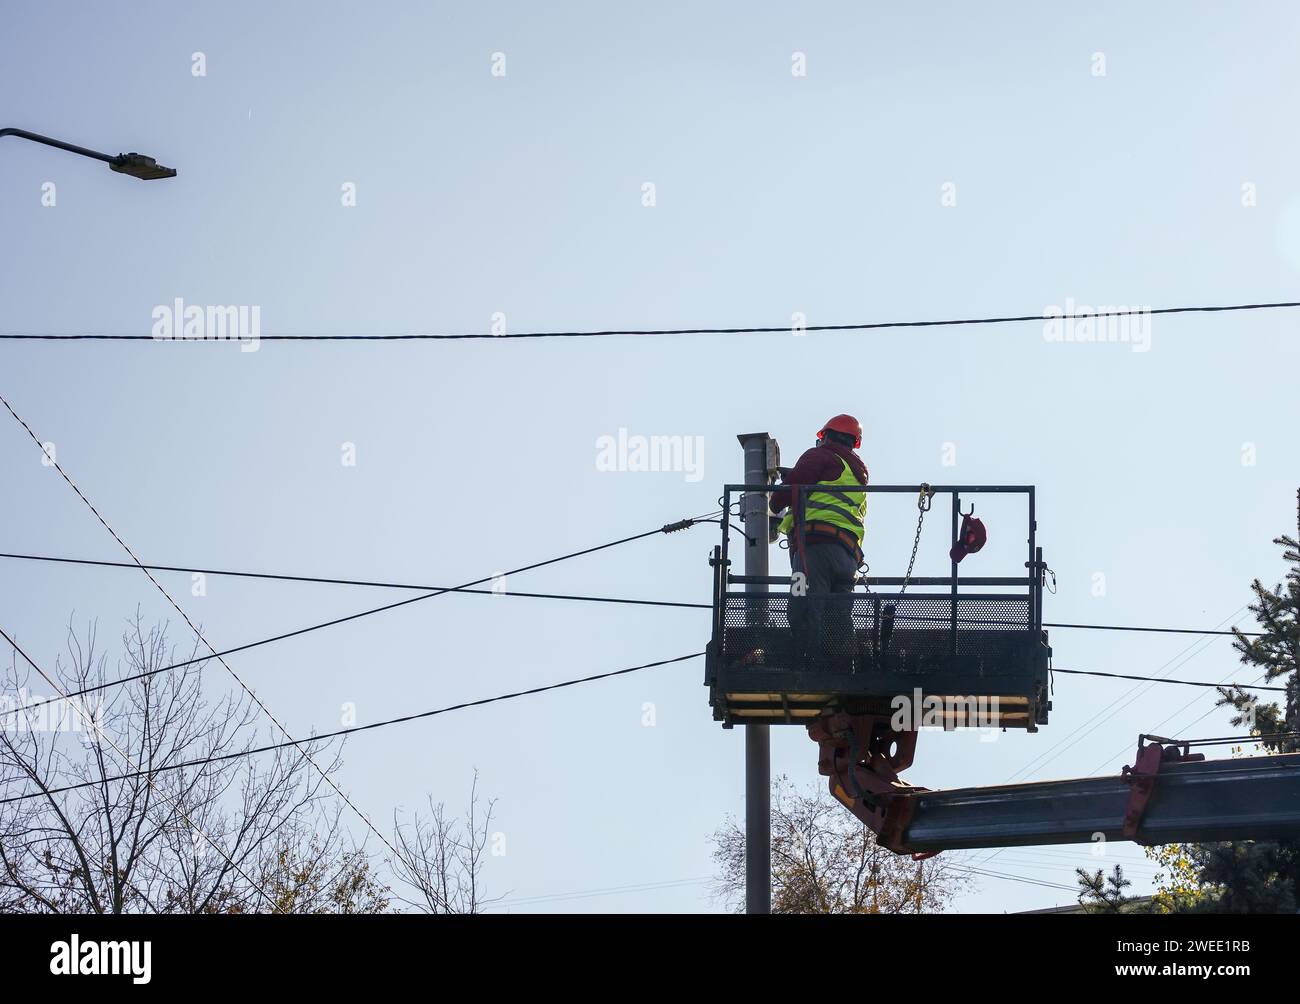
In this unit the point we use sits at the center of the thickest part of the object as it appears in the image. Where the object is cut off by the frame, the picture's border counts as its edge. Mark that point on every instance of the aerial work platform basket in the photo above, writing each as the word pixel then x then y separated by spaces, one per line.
pixel 945 650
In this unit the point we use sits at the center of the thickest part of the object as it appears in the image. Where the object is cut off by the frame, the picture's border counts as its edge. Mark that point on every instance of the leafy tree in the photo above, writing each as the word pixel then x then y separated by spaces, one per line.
pixel 825 861
pixel 1178 887
pixel 311 870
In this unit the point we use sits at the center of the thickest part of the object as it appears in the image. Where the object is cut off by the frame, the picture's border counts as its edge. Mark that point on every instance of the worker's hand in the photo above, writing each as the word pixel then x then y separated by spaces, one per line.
pixel 772 532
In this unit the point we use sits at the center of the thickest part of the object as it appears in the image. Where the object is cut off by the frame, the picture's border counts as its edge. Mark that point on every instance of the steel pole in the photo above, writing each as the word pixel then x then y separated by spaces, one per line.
pixel 762 458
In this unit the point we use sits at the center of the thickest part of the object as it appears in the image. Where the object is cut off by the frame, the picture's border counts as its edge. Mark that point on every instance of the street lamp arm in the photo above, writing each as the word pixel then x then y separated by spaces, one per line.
pixel 37 138
pixel 137 165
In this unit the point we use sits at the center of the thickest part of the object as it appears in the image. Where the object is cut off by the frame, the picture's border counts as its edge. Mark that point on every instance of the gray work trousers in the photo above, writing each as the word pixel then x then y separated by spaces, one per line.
pixel 821 621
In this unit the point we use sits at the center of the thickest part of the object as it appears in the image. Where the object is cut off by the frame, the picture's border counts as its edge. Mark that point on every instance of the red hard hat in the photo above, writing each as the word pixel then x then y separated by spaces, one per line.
pixel 974 535
pixel 846 424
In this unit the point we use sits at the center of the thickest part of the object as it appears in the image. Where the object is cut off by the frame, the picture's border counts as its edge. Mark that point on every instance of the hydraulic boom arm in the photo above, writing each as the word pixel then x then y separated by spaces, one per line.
pixel 1170 795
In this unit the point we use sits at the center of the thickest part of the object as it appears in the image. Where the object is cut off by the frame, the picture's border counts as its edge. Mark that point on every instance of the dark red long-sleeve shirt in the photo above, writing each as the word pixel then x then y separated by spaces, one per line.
pixel 821 463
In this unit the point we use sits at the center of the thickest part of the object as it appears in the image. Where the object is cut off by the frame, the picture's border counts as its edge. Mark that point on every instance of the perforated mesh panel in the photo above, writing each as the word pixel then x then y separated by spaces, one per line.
pixel 832 629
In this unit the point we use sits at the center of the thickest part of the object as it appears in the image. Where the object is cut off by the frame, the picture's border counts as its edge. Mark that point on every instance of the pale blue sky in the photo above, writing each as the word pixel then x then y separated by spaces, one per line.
pixel 522 195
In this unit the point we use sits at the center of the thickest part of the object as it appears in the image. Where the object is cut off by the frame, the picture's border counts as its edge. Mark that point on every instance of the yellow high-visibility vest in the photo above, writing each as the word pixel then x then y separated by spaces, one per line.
pixel 828 504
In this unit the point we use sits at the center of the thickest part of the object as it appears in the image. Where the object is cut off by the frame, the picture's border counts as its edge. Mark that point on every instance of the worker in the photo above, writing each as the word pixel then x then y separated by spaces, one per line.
pixel 824 527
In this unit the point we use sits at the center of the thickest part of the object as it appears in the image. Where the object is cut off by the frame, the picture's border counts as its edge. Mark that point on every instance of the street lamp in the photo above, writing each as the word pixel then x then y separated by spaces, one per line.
pixel 137 165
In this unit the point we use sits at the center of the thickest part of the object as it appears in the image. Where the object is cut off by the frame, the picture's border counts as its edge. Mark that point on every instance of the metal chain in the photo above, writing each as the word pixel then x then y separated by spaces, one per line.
pixel 923 505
